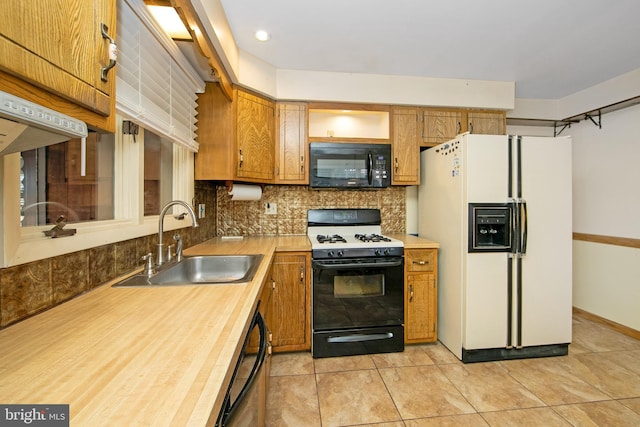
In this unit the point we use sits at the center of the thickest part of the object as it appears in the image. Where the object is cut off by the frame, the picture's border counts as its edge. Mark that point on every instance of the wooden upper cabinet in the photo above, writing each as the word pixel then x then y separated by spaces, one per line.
pixel 58 46
pixel 488 123
pixel 439 126
pixel 215 156
pixel 405 147
pixel 255 137
pixel 292 152
pixel 236 138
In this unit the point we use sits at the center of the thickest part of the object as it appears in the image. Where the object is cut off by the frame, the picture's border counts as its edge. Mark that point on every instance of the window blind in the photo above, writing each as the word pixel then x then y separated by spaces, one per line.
pixel 156 86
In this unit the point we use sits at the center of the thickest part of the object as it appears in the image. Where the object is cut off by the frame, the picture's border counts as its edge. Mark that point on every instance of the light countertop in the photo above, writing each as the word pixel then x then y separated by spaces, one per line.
pixel 140 356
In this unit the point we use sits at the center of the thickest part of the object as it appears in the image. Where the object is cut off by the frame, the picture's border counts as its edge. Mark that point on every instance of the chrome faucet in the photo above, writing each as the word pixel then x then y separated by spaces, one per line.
pixel 178 240
pixel 161 255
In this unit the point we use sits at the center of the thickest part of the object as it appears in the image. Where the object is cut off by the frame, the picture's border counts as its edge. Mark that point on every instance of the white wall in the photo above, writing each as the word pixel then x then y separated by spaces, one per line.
pixel 606 201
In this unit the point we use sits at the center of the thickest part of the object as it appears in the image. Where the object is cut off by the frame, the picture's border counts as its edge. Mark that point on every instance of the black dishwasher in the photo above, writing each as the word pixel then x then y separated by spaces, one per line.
pixel 241 406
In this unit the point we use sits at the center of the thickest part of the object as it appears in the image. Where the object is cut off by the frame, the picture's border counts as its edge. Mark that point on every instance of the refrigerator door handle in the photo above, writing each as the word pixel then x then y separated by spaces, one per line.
pixel 515 225
pixel 523 228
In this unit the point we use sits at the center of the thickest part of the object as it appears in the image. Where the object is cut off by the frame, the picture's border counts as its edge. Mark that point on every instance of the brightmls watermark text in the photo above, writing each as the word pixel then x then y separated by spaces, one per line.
pixel 34 415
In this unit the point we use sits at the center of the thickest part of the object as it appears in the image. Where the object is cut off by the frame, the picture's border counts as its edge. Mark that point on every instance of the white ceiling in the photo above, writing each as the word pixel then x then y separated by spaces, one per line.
pixel 550 48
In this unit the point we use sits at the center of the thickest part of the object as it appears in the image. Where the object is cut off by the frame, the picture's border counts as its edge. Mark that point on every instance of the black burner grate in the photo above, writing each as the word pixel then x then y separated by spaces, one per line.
pixel 322 238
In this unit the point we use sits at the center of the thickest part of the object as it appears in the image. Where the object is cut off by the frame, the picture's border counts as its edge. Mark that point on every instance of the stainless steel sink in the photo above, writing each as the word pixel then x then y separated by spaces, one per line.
pixel 201 270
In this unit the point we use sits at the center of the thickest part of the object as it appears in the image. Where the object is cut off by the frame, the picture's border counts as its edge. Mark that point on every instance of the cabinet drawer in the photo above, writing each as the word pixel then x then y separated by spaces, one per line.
pixel 420 260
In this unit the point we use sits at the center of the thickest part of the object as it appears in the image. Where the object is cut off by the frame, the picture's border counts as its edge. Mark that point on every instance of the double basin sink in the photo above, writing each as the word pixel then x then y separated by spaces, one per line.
pixel 200 270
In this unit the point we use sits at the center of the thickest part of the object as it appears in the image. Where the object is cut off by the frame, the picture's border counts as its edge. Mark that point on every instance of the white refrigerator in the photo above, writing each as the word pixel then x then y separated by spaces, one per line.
pixel 500 206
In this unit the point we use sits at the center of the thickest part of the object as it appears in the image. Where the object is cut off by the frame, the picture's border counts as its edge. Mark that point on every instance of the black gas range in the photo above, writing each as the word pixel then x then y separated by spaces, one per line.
pixel 358 284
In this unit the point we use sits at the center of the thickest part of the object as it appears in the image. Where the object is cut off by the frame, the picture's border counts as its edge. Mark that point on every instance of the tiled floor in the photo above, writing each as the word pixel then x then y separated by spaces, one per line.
pixel 597 384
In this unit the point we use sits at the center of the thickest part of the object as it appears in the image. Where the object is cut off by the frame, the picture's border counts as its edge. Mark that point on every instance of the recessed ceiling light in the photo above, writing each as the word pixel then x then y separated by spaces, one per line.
pixel 263 36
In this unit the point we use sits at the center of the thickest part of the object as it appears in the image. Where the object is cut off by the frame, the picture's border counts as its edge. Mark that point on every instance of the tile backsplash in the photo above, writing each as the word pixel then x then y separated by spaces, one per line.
pixel 30 288
pixel 249 218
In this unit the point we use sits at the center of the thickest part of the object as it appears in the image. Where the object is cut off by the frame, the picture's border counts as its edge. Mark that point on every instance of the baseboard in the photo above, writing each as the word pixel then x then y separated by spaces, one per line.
pixel 633 333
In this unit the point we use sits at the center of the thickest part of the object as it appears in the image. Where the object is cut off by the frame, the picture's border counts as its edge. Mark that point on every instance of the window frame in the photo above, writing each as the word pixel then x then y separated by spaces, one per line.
pixel 27 244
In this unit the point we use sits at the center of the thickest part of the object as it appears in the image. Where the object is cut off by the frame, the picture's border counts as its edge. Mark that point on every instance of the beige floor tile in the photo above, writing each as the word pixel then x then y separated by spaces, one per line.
pixel 440 354
pixel 291 364
pixel 609 413
pixel 346 363
pixel 633 404
pixel 354 397
pixel 488 387
pixel 292 401
pixel 427 380
pixel 603 372
pixel 467 420
pixel 391 424
pixel 411 356
pixel 552 381
pixel 532 417
pixel 593 337
pixel 629 360
pixel 423 391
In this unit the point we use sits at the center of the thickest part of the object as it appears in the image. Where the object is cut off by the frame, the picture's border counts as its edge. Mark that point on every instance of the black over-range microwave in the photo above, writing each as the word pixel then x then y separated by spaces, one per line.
pixel 346 165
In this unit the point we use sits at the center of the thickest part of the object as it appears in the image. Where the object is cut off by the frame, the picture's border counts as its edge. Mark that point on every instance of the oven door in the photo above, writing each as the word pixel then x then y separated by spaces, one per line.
pixel 358 306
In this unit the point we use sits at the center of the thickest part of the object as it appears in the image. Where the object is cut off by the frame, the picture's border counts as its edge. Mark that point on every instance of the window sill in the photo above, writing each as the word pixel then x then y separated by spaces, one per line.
pixel 34 246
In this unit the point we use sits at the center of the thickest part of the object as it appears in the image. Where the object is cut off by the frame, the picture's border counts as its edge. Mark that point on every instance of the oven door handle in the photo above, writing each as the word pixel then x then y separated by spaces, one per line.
pixel 319 265
pixel 360 337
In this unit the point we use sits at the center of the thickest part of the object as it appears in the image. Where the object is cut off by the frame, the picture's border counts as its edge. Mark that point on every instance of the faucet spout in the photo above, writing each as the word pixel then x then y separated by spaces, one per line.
pixel 161 256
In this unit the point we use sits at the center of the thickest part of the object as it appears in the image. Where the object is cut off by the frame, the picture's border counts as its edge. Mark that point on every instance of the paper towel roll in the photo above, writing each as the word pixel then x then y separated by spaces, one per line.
pixel 245 192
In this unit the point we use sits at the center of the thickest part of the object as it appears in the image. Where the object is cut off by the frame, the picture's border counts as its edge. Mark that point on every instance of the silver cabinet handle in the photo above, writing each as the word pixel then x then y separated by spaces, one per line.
pixel 113 52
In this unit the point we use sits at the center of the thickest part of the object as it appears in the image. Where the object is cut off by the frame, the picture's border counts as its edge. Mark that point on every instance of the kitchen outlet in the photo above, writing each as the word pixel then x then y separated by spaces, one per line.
pixel 270 208
pixel 201 210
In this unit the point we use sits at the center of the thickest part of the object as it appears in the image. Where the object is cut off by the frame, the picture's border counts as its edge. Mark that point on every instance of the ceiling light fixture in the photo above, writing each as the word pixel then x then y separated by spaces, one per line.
pixel 263 36
pixel 170 21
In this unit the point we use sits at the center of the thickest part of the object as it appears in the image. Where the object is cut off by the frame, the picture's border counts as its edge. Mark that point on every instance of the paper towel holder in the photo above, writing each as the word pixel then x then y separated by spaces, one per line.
pixel 229 185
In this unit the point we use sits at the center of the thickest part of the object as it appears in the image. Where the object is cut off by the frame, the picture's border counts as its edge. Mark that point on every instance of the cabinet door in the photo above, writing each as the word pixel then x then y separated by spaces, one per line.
pixel 215 157
pixel 255 137
pixel 406 149
pixel 291 145
pixel 59 47
pixel 420 316
pixel 487 123
pixel 440 126
pixel 289 319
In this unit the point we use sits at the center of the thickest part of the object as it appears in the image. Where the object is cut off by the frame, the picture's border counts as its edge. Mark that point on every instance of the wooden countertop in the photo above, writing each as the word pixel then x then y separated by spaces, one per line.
pixel 141 356
pixel 138 356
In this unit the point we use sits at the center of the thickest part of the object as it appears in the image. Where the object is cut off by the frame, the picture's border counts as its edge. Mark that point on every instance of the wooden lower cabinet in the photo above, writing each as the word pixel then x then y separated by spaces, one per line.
pixel 289 315
pixel 421 297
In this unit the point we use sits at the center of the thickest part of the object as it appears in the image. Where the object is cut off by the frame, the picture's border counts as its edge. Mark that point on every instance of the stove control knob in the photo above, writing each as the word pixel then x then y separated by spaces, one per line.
pixel 377 252
pixel 330 253
pixel 387 251
pixel 340 253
